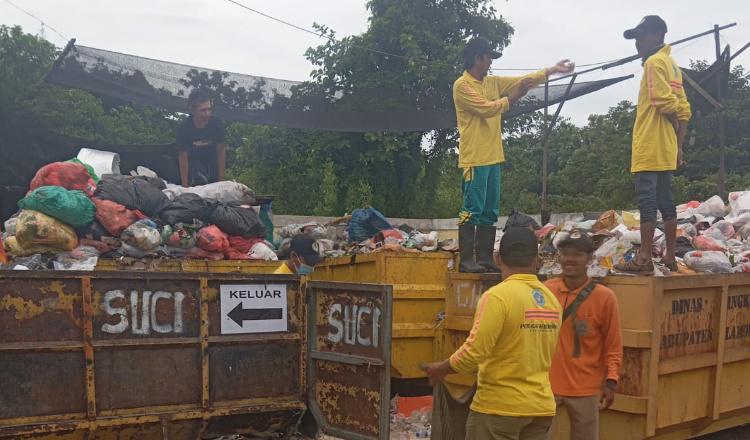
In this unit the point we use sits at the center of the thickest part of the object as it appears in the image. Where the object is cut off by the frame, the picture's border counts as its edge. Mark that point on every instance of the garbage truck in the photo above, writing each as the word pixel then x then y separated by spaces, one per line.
pixel 132 355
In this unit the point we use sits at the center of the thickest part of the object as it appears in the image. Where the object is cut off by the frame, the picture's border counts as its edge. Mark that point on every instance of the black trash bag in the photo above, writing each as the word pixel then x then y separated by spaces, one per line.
pixel 93 230
pixel 186 208
pixel 154 181
pixel 133 194
pixel 236 219
pixel 520 220
pixel 683 245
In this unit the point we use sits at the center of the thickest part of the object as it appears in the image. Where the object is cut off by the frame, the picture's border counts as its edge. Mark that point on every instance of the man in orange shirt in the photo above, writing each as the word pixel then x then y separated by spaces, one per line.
pixel 586 365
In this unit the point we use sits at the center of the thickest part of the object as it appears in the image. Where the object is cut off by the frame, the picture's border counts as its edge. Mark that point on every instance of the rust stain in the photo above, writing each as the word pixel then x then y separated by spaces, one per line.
pixel 25 308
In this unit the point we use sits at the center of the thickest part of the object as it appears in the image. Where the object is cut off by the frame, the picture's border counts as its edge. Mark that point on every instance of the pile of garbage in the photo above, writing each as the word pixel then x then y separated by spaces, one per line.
pixel 364 231
pixel 711 238
pixel 71 217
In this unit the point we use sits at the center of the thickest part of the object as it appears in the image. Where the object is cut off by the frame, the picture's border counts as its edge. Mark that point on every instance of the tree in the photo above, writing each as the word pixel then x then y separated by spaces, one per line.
pixel 399 173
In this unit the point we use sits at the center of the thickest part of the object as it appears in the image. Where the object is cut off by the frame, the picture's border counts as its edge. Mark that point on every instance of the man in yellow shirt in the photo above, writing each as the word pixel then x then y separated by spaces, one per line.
pixel 303 256
pixel 511 345
pixel 480 101
pixel 659 132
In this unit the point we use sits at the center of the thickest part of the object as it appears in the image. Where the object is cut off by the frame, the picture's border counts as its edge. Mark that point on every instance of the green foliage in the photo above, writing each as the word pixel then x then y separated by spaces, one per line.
pixel 25 60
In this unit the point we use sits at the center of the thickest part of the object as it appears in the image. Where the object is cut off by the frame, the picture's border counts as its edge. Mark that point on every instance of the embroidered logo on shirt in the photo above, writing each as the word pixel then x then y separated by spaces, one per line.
pixel 538 298
pixel 541 315
pixel 582 328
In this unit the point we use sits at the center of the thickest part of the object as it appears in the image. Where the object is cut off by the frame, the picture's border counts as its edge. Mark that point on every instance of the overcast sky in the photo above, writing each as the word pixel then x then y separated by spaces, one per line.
pixel 221 35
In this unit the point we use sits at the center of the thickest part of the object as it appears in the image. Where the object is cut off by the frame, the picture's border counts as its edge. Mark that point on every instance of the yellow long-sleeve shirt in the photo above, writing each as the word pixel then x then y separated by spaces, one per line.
pixel 479 109
pixel 661 94
pixel 511 344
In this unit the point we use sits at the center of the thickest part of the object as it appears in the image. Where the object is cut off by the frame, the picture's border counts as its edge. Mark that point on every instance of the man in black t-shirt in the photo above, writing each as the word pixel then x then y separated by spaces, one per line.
pixel 200 139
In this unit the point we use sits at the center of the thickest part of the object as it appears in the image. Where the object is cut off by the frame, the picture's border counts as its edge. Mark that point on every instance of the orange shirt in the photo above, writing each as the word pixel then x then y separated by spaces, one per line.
pixel 600 338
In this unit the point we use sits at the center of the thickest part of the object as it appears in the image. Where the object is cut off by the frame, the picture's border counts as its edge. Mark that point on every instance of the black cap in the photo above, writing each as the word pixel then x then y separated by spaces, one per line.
pixel 518 242
pixel 650 24
pixel 579 239
pixel 480 46
pixel 305 246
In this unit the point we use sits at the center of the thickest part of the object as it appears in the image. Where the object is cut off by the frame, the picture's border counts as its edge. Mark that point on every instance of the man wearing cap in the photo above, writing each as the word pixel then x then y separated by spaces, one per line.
pixel 303 256
pixel 659 132
pixel 200 139
pixel 511 345
pixel 586 365
pixel 480 101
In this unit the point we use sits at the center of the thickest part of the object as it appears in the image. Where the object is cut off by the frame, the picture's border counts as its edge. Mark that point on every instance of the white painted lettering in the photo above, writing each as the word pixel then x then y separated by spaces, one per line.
pixel 159 328
pixel 352 328
pixel 142 317
pixel 115 311
pixel 335 323
pixel 360 340
pixel 143 329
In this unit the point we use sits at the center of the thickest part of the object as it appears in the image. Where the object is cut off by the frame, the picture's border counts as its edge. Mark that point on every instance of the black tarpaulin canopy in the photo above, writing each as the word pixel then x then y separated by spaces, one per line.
pixel 266 101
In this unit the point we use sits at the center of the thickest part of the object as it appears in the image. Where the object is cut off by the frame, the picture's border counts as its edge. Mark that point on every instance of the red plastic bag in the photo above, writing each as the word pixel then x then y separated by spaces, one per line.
pixel 69 175
pixel 98 245
pixel 704 243
pixel 113 216
pixel 243 245
pixel 212 239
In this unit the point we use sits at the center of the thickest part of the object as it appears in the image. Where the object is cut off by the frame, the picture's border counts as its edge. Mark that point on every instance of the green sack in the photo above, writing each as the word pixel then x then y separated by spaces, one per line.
pixel 70 207
pixel 93 175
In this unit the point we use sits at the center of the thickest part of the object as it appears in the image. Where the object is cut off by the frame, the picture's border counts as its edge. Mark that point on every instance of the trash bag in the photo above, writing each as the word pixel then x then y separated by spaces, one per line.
pixel 262 251
pixel 142 235
pixel 181 236
pixel 69 175
pixel 94 230
pixel 226 192
pixel 236 219
pixel 187 208
pixel 724 227
pixel 687 230
pixel 13 248
pixel 683 245
pixel 80 258
pixel 10 225
pixel 134 194
pixel 113 216
pixel 212 239
pixel 31 262
pixel 518 219
pixel 70 207
pixel 35 228
pixel 713 207
pixel 100 246
pixel 739 203
pixel 607 221
pixel 89 168
pixel 242 244
pixel 365 223
pixel 705 243
pixel 708 262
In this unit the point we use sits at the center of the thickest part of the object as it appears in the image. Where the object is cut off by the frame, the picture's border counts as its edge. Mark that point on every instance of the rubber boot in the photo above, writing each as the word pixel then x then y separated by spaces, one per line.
pixel 466 250
pixel 485 248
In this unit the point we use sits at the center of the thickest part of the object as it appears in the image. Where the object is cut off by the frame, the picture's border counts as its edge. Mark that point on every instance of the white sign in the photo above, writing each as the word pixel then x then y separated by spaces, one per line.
pixel 253 308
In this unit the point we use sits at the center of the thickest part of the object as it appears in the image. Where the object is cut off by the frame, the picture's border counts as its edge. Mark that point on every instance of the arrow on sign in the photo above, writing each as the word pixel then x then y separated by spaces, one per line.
pixel 239 315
